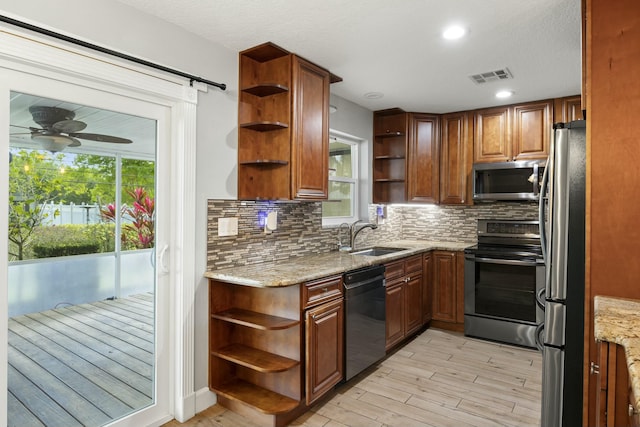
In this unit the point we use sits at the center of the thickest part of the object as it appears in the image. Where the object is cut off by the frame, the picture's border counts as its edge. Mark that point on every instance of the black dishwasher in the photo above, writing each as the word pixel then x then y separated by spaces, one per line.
pixel 365 326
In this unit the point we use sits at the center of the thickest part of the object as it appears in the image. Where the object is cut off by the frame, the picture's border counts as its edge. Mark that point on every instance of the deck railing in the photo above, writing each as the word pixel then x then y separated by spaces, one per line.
pixel 44 284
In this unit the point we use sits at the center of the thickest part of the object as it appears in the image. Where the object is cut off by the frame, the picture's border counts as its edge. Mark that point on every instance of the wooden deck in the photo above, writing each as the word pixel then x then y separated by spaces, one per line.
pixel 81 365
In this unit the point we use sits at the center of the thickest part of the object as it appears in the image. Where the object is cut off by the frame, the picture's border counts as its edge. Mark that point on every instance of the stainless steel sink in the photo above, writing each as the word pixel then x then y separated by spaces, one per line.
pixel 377 251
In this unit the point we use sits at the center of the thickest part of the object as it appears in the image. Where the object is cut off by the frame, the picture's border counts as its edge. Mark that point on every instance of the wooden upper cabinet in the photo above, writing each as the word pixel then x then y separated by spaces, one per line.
pixel 283 126
pixel 532 129
pixel 423 159
pixel 567 109
pixel 390 133
pixel 456 158
pixel 310 139
pixel 492 142
pixel 514 132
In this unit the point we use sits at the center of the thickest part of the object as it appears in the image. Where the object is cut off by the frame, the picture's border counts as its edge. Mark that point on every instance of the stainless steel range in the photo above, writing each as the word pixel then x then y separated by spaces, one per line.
pixel 504 276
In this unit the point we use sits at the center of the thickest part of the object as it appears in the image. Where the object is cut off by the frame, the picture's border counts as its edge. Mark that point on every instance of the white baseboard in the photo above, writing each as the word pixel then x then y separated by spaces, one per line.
pixel 205 398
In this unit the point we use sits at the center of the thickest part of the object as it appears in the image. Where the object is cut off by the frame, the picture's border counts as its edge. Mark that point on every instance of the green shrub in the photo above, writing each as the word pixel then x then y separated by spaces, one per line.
pixel 63 240
pixel 102 233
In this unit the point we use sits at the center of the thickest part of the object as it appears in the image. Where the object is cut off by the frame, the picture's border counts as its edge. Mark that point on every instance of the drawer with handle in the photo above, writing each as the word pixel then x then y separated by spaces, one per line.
pixel 318 291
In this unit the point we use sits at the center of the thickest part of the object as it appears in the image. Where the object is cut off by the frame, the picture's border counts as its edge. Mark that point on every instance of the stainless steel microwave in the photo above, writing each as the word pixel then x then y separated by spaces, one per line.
pixel 518 180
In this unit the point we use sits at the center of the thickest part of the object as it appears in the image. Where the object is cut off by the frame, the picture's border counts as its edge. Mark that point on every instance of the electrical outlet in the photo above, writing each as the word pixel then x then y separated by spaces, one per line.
pixel 227 226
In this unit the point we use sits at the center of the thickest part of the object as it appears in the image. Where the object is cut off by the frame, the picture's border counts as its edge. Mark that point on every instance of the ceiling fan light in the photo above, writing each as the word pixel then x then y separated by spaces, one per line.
pixel 53 143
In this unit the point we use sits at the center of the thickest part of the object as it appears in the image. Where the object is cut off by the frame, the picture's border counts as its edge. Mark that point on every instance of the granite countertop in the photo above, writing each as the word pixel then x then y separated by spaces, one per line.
pixel 617 320
pixel 302 269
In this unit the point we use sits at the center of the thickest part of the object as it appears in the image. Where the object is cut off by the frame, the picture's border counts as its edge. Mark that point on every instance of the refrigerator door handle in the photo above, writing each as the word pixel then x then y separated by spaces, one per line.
pixel 541 209
pixel 558 218
pixel 553 385
pixel 555 315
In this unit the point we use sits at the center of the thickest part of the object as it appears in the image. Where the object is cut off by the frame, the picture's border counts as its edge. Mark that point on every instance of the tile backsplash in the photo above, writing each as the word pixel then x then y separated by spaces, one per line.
pixel 300 231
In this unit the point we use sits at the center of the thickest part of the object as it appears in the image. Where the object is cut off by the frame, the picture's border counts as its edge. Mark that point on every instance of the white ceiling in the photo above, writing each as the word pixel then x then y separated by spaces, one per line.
pixel 141 131
pixel 395 47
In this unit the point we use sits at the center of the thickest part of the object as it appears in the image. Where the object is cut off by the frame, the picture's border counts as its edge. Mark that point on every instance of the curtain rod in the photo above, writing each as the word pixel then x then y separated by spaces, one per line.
pixel 121 55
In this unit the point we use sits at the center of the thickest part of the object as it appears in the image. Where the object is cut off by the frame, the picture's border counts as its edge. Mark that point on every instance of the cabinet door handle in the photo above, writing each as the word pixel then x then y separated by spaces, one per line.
pixel 325 290
pixel 594 368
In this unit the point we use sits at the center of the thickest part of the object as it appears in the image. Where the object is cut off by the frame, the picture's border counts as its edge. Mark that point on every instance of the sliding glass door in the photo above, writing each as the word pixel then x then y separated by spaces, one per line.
pixel 87 303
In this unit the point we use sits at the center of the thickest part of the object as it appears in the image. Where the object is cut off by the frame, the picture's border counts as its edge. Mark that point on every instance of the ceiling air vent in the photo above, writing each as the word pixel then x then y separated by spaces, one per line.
pixel 492 76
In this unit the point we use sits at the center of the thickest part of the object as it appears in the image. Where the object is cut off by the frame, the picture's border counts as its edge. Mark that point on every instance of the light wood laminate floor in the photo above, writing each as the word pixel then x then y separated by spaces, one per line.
pixel 438 379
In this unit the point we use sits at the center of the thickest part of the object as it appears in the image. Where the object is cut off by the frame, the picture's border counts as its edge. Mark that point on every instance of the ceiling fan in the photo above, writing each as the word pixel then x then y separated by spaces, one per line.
pixel 59 131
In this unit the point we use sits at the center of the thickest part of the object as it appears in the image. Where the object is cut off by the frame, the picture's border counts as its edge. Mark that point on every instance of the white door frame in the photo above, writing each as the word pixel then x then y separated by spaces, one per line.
pixel 36 55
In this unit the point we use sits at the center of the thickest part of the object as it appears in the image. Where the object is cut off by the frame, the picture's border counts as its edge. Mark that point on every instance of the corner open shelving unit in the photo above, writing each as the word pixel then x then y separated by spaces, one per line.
pixel 264 117
pixel 390 156
pixel 255 364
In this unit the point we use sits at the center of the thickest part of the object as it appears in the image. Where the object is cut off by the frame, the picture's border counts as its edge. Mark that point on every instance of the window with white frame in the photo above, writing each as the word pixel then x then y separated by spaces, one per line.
pixel 342 205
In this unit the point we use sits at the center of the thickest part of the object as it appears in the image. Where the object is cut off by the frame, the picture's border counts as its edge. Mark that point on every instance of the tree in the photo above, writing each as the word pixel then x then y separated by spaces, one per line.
pixel 34 180
pixel 38 177
pixel 99 175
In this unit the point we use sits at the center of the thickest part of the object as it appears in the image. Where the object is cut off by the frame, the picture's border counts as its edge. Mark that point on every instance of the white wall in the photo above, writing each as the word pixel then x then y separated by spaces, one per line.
pixel 113 25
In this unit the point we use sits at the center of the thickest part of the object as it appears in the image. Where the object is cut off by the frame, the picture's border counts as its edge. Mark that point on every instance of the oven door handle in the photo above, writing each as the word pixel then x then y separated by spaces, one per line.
pixel 507 261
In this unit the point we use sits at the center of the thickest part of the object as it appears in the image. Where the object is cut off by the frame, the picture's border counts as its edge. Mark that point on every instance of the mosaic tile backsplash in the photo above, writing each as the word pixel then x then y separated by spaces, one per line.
pixel 300 231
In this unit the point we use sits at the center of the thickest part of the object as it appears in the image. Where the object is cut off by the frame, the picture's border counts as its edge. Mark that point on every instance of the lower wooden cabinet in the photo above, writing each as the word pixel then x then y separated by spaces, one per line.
pixel 447 283
pixel 275 351
pixel 403 299
pixel 324 348
pixel 394 304
pixel 427 288
pixel 413 302
pixel 614 406
pixel 444 286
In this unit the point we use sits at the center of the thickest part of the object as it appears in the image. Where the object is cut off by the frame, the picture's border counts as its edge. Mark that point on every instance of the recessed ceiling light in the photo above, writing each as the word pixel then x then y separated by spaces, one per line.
pixel 373 95
pixel 504 94
pixel 454 32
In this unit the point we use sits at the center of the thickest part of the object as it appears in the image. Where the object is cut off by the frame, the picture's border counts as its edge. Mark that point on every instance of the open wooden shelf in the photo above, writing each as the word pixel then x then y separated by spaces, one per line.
pixel 265 52
pixel 253 358
pixel 388 180
pixel 264 162
pixel 390 157
pixel 255 320
pixel 261 399
pixel 264 126
pixel 266 89
pixel 389 134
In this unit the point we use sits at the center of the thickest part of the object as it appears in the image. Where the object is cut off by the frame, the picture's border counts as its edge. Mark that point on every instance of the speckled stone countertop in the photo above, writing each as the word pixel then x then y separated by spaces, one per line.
pixel 302 269
pixel 617 320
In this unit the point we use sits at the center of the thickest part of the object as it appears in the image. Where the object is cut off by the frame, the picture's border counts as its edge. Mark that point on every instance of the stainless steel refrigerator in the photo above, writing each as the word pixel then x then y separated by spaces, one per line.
pixel 563 236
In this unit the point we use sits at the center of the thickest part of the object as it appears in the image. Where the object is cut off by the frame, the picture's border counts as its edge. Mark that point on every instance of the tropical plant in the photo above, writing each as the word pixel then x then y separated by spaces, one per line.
pixel 139 230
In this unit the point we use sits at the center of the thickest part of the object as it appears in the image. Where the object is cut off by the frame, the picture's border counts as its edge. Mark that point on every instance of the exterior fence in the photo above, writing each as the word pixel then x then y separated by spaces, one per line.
pixel 71 214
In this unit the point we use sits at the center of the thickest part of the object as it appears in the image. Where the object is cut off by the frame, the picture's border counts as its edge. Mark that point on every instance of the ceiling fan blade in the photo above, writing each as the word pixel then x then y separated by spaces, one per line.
pixel 74 143
pixel 101 138
pixel 32 129
pixel 69 126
